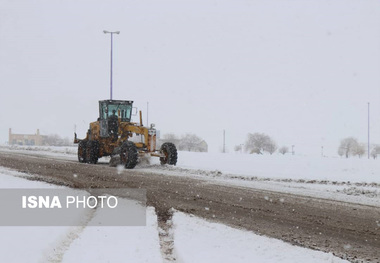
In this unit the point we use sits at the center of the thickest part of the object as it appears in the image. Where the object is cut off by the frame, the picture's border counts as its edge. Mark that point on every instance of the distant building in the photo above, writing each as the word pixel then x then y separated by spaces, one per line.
pixel 25 139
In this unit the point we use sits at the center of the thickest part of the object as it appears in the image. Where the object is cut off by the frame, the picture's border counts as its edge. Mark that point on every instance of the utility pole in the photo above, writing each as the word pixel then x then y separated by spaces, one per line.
pixel 322 151
pixel 224 141
pixel 368 130
pixel 108 32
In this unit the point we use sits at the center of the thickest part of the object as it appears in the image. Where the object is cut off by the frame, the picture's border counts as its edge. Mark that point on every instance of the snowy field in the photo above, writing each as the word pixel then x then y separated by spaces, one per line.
pixel 192 240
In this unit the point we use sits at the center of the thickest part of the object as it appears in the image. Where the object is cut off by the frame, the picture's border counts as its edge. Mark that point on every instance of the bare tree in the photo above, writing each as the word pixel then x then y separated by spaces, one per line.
pixel 271 147
pixel 192 143
pixel 56 140
pixel 359 150
pixel 348 146
pixel 238 148
pixel 189 142
pixel 375 151
pixel 259 143
pixel 341 151
pixel 169 137
pixel 283 150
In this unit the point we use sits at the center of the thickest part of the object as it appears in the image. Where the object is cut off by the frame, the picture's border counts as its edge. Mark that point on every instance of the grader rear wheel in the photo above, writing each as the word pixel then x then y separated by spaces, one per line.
pixel 169 150
pixel 92 152
pixel 82 151
pixel 128 155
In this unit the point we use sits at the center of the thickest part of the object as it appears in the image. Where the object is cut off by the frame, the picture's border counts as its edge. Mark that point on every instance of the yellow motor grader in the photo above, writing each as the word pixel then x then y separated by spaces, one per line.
pixel 111 136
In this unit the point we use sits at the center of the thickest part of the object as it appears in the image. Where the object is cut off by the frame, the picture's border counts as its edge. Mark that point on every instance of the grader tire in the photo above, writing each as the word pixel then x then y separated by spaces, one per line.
pixel 92 152
pixel 82 151
pixel 169 150
pixel 128 155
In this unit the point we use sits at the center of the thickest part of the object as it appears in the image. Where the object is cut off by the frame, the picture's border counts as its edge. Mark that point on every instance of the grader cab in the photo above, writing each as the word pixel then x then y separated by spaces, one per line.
pixel 111 135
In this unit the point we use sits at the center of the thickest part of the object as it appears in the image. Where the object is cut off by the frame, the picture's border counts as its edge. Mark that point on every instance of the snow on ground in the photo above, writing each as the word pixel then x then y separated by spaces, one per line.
pixel 60 152
pixel 354 180
pixel 25 244
pixel 294 167
pixel 194 239
pixel 276 166
pixel 117 244
pixel 351 180
pixel 220 243
pixel 75 243
pixel 358 193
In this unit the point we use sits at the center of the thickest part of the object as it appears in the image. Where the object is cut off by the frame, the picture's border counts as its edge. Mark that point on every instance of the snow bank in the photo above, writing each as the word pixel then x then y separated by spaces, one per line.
pixel 196 240
pixel 284 166
pixel 52 149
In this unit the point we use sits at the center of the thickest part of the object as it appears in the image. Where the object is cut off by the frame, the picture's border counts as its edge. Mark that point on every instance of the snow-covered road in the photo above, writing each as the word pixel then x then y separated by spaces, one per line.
pixel 353 180
pixel 192 240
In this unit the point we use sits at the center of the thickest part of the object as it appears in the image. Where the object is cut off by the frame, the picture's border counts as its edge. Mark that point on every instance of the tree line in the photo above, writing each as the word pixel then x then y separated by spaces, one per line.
pixel 56 140
pixel 352 147
pixel 188 142
pixel 259 143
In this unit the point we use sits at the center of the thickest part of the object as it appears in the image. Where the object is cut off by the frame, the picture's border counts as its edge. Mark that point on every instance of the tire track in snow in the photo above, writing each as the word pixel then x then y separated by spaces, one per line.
pixel 166 235
pixel 57 253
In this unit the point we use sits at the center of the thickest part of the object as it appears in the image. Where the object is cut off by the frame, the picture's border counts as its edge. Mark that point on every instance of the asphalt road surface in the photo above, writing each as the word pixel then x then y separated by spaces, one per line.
pixel 349 231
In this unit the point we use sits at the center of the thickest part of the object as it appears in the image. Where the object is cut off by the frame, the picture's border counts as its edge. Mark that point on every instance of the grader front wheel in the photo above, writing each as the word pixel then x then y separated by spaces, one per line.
pixel 128 155
pixel 169 151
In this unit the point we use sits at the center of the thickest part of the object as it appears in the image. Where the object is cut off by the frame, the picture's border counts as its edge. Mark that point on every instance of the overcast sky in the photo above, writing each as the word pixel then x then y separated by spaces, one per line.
pixel 300 71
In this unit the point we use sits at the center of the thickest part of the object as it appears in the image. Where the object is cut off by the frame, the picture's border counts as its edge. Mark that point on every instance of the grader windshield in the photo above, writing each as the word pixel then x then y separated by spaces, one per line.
pixel 109 109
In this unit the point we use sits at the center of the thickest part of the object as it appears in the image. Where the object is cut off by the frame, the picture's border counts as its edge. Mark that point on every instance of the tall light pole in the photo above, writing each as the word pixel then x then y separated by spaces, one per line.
pixel 368 130
pixel 109 32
